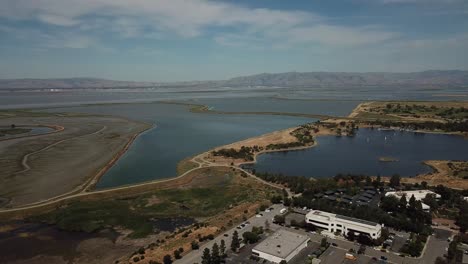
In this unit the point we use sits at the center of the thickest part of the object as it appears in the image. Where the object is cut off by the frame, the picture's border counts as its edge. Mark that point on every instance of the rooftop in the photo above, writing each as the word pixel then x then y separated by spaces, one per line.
pixel 418 194
pixel 282 243
pixel 356 220
pixel 330 215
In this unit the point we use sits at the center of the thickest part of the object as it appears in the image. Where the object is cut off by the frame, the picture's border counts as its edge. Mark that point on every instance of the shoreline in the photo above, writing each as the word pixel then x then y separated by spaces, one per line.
pixel 56 129
pixel 91 183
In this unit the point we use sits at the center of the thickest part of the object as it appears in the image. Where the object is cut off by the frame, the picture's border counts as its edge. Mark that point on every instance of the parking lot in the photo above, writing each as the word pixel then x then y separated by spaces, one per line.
pixel 335 254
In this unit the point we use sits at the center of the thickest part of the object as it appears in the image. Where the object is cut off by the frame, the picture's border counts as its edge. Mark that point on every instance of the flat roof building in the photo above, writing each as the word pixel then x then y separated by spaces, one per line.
pixel 343 224
pixel 282 245
pixel 418 194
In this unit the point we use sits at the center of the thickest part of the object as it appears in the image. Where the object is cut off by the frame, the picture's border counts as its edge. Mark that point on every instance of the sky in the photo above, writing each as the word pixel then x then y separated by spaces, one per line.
pixel 182 40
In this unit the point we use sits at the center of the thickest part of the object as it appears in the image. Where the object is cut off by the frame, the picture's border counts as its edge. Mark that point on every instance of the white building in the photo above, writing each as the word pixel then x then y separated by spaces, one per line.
pixel 282 245
pixel 343 224
pixel 418 196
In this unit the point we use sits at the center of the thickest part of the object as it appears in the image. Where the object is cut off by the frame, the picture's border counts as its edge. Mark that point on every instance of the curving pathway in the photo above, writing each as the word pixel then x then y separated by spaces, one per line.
pixel 24 162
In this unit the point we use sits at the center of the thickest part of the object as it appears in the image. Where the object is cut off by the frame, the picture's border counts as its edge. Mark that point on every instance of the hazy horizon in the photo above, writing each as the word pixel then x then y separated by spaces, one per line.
pixel 161 40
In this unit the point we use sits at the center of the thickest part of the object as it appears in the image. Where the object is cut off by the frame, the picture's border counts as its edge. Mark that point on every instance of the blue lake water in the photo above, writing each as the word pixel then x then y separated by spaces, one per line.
pixel 34 131
pixel 268 104
pixel 178 135
pixel 360 154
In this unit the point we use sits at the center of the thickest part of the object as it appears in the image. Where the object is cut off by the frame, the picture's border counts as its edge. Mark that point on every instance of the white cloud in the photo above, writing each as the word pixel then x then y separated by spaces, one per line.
pixel 189 19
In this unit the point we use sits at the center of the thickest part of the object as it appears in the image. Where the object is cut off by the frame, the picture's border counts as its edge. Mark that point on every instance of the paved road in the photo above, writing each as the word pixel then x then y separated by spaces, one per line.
pixel 195 256
pixel 436 246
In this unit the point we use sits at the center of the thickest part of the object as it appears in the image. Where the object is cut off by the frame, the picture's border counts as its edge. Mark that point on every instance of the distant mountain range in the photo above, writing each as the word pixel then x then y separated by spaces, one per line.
pixel 432 78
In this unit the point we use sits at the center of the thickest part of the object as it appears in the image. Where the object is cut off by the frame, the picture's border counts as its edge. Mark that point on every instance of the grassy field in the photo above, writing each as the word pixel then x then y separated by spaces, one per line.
pixel 185 165
pixel 14 131
pixel 414 110
pixel 201 199
pixel 41 167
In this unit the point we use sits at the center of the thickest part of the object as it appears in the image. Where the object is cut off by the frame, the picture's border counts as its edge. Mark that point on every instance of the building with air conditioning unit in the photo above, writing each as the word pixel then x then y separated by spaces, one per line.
pixel 282 245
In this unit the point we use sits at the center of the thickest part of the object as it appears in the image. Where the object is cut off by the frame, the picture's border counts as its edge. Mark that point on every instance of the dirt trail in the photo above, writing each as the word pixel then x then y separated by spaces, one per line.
pixel 24 162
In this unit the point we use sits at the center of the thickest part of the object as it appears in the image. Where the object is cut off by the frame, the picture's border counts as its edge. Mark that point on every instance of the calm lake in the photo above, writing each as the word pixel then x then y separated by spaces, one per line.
pixel 360 154
pixel 178 134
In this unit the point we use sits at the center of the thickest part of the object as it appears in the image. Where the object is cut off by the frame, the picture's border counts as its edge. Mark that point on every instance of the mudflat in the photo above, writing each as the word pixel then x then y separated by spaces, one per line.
pixel 41 167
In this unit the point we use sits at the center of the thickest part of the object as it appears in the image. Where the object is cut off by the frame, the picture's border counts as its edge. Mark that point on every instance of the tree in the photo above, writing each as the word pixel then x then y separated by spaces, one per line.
pixel 377 181
pixel 167 259
pixel 206 257
pixel 412 203
pixel 222 248
pixel 389 203
pixel 177 254
pixel 324 242
pixel 350 236
pixel 403 202
pixel 395 180
pixel 195 245
pixel 267 225
pixel 276 199
pixel 250 237
pixel 364 239
pixel 279 219
pixel 235 244
pixel 215 256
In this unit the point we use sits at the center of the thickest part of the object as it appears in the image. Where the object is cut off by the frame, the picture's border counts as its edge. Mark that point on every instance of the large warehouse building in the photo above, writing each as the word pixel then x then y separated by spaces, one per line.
pixel 343 224
pixel 282 245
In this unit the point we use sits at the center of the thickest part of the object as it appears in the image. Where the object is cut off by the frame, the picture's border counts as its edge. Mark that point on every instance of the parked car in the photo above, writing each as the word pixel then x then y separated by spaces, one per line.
pixel 383 258
pixel 334 244
pixel 226 235
pixel 362 249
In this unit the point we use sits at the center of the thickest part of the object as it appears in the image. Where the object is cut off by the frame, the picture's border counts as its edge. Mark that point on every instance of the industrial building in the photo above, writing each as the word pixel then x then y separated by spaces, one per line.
pixel 418 196
pixel 343 224
pixel 282 245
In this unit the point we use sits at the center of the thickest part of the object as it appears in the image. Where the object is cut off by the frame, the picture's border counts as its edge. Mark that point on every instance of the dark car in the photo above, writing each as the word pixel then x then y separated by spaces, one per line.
pixel 362 249
pixel 226 235
pixel 334 244
pixel 383 258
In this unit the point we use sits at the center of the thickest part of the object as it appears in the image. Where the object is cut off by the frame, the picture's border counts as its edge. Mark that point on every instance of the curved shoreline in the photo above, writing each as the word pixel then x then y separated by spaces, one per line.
pixel 94 180
pixel 56 129
pixel 84 188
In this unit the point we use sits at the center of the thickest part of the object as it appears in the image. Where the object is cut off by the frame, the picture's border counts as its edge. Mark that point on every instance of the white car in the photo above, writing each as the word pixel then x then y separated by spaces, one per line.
pixel 267 210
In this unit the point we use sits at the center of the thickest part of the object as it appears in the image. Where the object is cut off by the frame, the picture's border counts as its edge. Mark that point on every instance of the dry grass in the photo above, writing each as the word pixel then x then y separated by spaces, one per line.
pixel 443 174
pixel 60 162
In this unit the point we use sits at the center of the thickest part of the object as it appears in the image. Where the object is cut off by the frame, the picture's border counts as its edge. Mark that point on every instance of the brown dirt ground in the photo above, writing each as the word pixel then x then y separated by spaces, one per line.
pixel 64 167
pixel 277 137
pixel 442 175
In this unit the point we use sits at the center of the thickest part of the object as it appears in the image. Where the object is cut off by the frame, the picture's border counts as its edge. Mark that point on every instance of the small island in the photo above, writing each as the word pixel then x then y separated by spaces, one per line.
pixel 388 159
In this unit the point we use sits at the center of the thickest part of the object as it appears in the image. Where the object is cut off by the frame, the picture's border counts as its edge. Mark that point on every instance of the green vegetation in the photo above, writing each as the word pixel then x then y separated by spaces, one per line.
pixel 455 126
pixel 245 153
pixel 459 169
pixel 135 213
pixel 253 236
pixel 14 131
pixel 415 245
pixel 418 110
pixel 411 218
